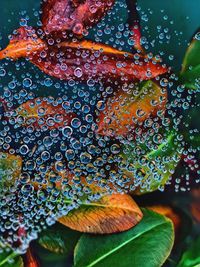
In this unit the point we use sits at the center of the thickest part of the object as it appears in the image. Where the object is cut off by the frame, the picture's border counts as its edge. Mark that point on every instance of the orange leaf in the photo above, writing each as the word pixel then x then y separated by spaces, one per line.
pixel 23 44
pixel 84 61
pixel 30 260
pixel 111 214
pixel 168 212
pixel 124 111
pixel 195 205
pixel 39 113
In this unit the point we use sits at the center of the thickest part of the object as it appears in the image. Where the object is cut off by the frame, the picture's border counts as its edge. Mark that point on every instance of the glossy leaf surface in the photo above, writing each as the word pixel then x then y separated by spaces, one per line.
pixel 148 244
pixel 190 74
pixel 9 258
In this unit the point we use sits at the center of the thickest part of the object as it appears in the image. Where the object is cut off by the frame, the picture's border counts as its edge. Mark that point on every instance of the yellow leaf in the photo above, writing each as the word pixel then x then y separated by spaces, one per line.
pixel 10 168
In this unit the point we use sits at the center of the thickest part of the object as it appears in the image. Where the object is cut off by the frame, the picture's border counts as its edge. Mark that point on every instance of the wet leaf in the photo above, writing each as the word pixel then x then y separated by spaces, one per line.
pixel 9 258
pixel 191 257
pixel 111 214
pixel 42 113
pixel 110 63
pixel 157 166
pixel 128 109
pixel 10 168
pixel 190 73
pixel 59 239
pixel 148 244
pixel 23 43
pixel 77 17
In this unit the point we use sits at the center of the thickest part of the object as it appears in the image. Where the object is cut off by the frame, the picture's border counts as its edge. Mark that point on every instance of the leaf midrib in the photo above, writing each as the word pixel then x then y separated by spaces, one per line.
pixel 93 204
pixel 122 245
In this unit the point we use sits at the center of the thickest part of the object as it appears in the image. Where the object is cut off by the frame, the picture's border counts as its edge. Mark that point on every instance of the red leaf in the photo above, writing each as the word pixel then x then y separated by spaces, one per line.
pixel 75 16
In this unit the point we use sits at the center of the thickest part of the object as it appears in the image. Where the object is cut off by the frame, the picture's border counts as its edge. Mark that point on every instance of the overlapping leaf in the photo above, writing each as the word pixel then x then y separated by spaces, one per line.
pixel 111 214
pixel 9 258
pixel 77 17
pixel 148 244
pixel 59 239
pixel 168 212
pixel 190 73
pixel 125 110
pixel 42 113
pixel 157 166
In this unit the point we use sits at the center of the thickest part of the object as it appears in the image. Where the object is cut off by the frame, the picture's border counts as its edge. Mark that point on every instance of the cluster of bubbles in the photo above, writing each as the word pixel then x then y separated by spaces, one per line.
pixel 59 149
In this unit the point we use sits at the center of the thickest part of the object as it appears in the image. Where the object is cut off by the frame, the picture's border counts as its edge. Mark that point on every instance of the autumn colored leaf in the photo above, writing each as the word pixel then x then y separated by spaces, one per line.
pixel 148 244
pixel 30 259
pixel 85 61
pixel 134 25
pixel 10 168
pixel 23 43
pixel 111 214
pixel 41 113
pixel 77 17
pixel 127 109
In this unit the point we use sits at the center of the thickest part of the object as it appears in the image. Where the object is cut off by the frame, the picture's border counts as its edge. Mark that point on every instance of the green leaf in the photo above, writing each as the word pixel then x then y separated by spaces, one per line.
pixel 9 258
pixel 158 165
pixel 191 257
pixel 190 73
pixel 148 244
pixel 59 239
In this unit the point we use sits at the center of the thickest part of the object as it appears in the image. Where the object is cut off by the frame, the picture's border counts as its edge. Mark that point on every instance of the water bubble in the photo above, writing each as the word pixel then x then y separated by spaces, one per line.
pixel 27 82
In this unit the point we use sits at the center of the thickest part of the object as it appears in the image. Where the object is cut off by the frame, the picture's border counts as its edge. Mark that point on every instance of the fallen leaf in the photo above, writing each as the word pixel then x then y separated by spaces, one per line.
pixel 86 61
pixel 23 43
